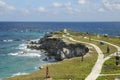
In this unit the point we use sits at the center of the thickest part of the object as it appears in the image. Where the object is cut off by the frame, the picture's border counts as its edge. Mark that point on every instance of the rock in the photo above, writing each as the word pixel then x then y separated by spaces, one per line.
pixel 41 67
pixel 45 59
pixel 58 48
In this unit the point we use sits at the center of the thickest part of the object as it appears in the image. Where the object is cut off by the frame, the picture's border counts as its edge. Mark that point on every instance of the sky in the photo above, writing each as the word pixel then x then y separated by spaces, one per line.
pixel 60 10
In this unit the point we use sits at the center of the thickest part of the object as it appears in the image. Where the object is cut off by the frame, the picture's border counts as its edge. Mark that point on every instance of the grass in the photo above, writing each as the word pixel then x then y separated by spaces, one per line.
pixel 108 77
pixel 110 67
pixel 64 70
pixel 80 37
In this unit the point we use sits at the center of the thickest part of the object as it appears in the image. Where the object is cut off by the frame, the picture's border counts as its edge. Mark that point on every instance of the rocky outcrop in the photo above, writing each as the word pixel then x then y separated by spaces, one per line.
pixel 59 48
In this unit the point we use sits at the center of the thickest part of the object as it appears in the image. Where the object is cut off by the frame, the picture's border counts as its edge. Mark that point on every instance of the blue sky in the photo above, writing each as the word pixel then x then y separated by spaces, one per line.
pixel 59 10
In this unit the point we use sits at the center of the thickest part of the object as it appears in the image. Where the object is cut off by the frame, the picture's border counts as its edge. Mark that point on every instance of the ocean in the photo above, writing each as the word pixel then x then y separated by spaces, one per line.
pixel 13 37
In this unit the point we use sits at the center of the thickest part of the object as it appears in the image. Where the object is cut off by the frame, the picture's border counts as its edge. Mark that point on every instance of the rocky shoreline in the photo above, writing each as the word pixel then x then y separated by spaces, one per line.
pixel 58 48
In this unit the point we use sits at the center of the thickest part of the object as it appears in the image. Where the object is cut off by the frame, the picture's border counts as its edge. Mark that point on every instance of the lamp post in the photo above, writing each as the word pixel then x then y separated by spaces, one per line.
pixel 117 59
pixel 108 49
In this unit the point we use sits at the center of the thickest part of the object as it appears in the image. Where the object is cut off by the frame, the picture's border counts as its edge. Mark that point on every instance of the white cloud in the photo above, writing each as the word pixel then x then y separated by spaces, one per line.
pixel 73 10
pixel 68 4
pixel 101 10
pixel 111 5
pixel 5 7
pixel 26 11
pixel 56 4
pixel 41 9
pixel 82 1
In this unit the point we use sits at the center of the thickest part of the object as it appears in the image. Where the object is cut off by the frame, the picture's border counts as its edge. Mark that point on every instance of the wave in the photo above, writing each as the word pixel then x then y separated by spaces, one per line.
pixel 11 40
pixel 22 46
pixel 25 54
pixel 8 40
pixel 24 51
pixel 19 73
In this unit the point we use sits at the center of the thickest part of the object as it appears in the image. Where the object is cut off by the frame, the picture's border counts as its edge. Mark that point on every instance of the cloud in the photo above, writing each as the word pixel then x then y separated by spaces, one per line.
pixel 67 4
pixel 82 1
pixel 56 4
pixel 26 11
pixel 111 5
pixel 73 10
pixel 5 7
pixel 101 10
pixel 41 9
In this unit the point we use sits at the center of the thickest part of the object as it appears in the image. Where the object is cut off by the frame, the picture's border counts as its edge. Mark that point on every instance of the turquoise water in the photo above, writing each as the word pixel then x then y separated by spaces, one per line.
pixel 13 37
pixel 11 62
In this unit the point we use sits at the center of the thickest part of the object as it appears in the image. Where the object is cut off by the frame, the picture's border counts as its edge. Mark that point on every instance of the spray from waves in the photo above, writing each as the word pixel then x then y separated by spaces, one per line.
pixel 24 51
pixel 11 40
pixel 27 54
pixel 19 73
pixel 8 40
pixel 22 46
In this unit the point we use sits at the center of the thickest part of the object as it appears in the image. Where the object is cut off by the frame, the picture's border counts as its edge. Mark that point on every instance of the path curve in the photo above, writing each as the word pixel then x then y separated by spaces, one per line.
pixel 117 47
pixel 98 65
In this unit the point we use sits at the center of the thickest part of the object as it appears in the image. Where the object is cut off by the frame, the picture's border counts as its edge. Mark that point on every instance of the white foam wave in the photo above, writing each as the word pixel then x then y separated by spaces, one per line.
pixel 13 54
pixel 9 40
pixel 19 73
pixel 22 46
pixel 29 53
pixel 24 51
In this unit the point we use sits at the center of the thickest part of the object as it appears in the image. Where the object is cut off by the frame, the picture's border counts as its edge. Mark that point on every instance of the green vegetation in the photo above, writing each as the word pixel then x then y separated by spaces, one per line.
pixel 108 77
pixel 83 36
pixel 110 67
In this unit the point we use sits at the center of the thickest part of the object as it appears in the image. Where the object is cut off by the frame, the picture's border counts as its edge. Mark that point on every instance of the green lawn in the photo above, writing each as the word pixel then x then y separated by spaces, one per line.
pixel 108 77
pixel 110 67
pixel 102 47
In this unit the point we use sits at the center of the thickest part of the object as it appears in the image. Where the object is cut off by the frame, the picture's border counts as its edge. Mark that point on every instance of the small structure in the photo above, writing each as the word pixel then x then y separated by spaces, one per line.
pixel 82 58
pixel 65 31
pixel 108 49
pixel 47 74
pixel 117 59
pixel 41 67
pixel 105 35
pixel 102 43
pixel 98 36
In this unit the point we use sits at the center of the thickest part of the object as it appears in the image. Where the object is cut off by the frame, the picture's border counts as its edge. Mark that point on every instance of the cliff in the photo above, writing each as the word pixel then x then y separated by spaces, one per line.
pixel 59 48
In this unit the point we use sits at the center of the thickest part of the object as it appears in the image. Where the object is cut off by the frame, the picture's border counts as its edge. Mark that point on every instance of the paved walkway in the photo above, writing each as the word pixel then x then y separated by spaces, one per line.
pixel 117 47
pixel 98 65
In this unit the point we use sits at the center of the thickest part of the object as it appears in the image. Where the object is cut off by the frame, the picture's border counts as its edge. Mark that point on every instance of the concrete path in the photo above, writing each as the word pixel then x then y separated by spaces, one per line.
pixel 98 65
pixel 117 47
